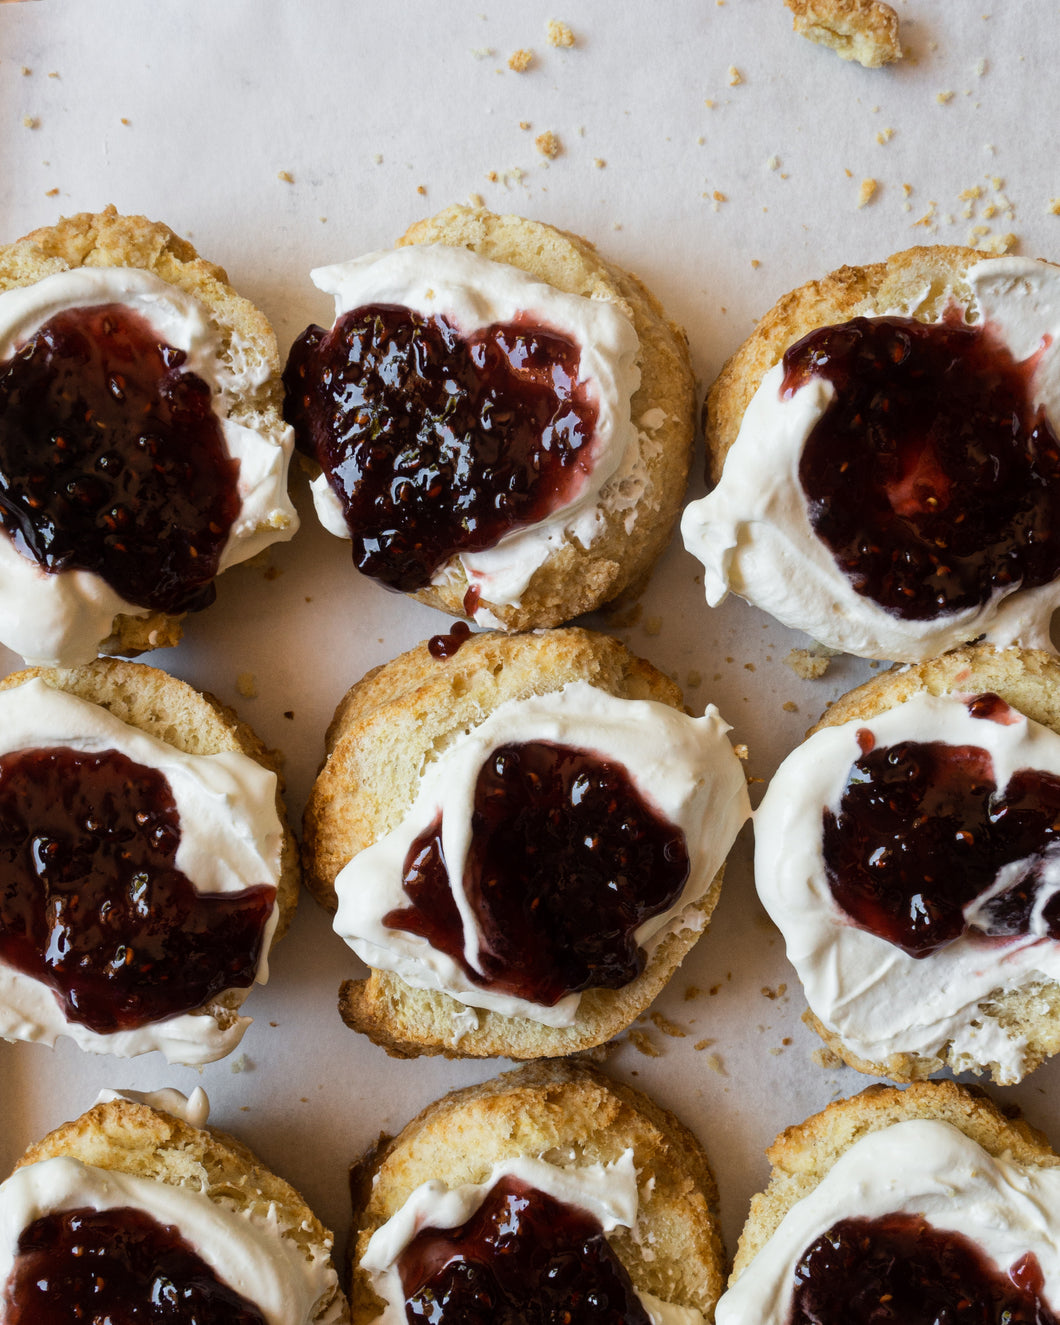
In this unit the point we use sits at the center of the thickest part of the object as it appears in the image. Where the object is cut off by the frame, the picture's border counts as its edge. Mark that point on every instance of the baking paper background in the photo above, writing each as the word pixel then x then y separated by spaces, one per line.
pixel 702 145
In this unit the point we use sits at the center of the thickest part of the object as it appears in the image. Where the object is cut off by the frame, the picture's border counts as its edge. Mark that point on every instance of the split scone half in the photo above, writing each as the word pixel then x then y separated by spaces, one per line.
pixel 142 446
pixel 908 852
pixel 131 1206
pixel 149 867
pixel 522 840
pixel 884 449
pixel 922 1204
pixel 500 418
pixel 596 1195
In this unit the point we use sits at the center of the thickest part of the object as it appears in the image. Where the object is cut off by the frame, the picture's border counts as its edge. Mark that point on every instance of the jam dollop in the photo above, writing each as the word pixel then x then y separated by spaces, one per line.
pixel 434 443
pixel 923 830
pixel 446 646
pixel 118 1266
pixel 566 861
pixel 91 900
pixel 899 1270
pixel 523 1258
pixel 112 460
pixel 930 477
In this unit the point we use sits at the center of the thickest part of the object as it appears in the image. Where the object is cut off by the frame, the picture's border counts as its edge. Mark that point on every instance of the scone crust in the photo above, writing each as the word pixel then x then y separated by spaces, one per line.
pixel 574 579
pixel 894 286
pixel 385 731
pixel 561 1112
pixel 1029 681
pixel 191 721
pixel 129 1137
pixel 107 239
pixel 802 1155
pixel 861 30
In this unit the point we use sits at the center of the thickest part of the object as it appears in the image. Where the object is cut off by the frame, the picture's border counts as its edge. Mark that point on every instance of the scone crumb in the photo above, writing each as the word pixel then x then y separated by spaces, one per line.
pixel 1054 206
pixel 26 70
pixel 694 679
pixel 247 685
pixel 289 714
pixel 242 1064
pixel 547 144
pixel 789 706
pixel 884 136
pixel 476 200
pixel 700 1045
pixel 773 163
pixel 525 125
pixel 826 1058
pixel 716 1065
pixel 735 77
pixel 125 120
pixel 559 34
pixel 421 189
pixel 944 98
pixel 482 52
pixel 599 162
pixel 691 992
pixel 861 30
pixel 286 176
pixel 867 191
pixel 51 193
pixel 30 122
pixel 377 158
pixel 653 625
pixel 774 994
pixel 668 1027
pixel 520 61
pixel 740 751
pixel 810 664
pixel 643 1043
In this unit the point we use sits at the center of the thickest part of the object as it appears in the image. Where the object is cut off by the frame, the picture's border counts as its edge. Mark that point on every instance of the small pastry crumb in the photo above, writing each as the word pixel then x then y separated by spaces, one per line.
pixel 867 191
pixel 735 77
pixel 668 1027
pixel 741 751
pixel 247 685
pixel 826 1059
pixel 944 98
pixel 520 61
pixel 716 1065
pixel 861 30
pixel 810 664
pixel 643 1043
pixel 559 34
pixel 286 176
pixel 30 122
pixel 547 144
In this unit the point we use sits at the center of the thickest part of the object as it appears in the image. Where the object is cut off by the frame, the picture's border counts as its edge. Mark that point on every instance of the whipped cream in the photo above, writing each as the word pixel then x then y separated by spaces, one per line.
pixel 684 767
pixel 608 1192
pixel 472 292
pixel 919 1167
pixel 875 997
pixel 247 1251
pixel 231 839
pixel 753 532
pixel 60 619
pixel 193 1109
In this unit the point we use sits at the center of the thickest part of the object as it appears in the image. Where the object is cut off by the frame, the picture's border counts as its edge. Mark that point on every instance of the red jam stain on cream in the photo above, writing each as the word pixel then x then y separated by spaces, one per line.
pixel 929 477
pixel 120 1266
pixel 566 861
pixel 91 901
pixel 437 444
pixel 899 1270
pixel 113 461
pixel 522 1256
pixel 922 830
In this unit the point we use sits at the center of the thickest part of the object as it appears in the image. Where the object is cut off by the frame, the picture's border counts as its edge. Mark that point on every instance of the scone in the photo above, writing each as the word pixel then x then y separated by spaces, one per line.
pixel 885 453
pixel 523 840
pixel 920 1205
pixel 547 1160
pixel 135 1211
pixel 861 30
pixel 907 852
pixel 142 447
pixel 502 420
pixel 148 863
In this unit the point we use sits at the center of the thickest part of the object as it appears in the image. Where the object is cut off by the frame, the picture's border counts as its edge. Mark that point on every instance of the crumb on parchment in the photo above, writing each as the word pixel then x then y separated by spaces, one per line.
pixel 643 1043
pixel 520 61
pixel 867 192
pixel 548 144
pixel 667 1026
pixel 862 30
pixel 247 685
pixel 810 664
pixel 559 34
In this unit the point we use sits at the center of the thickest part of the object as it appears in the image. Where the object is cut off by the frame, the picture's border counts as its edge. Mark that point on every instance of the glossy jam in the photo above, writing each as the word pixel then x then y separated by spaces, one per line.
pixel 566 861
pixel 91 901
pixel 523 1258
pixel 115 1267
pixel 446 646
pixel 899 1270
pixel 922 831
pixel 112 460
pixel 930 477
pixel 436 444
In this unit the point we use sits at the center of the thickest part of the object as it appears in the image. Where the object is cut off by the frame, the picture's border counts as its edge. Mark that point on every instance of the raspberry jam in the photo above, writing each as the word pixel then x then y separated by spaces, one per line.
pixel 112 460
pixel 119 1266
pixel 523 1258
pixel 930 477
pixel 566 861
pixel 91 901
pixel 442 647
pixel 435 443
pixel 898 1270
pixel 923 831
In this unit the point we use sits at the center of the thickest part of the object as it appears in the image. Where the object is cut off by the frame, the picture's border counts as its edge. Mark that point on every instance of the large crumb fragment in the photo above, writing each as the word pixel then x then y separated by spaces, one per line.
pixel 643 1042
pixel 520 61
pixel 668 1027
pixel 547 144
pixel 810 664
pixel 861 30
pixel 559 34
pixel 867 192
pixel 826 1058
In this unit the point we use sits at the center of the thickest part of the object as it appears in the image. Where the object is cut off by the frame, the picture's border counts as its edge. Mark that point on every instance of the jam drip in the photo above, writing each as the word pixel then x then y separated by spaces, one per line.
pixel 566 862
pixel 898 1270
pixel 442 647
pixel 436 444
pixel 116 1266
pixel 112 460
pixel 91 901
pixel 929 477
pixel 523 1258
pixel 923 831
